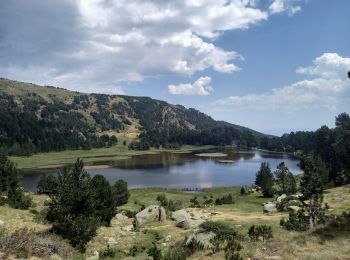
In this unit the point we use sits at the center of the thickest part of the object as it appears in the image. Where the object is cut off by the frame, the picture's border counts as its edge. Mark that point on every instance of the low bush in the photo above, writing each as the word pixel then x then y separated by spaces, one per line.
pixel 108 253
pixel 261 231
pixel 154 252
pixel 296 221
pixel 228 199
pixel 18 200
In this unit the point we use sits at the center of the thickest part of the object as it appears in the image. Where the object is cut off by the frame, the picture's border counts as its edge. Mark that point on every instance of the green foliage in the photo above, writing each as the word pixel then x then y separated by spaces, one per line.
pixel 194 202
pixel 226 199
pixel 264 179
pixel 9 177
pixel 47 184
pixel 297 221
pixel 78 230
pixel 285 179
pixel 154 252
pixel 104 200
pixel 193 246
pixel 108 253
pixel 232 250
pixel 179 251
pixel 222 231
pixel 121 192
pixel 169 205
pixel 260 231
pixel 79 204
pixel 243 191
pixel 18 200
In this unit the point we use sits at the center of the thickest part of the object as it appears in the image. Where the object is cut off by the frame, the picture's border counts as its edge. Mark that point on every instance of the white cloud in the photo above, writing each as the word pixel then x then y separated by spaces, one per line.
pixel 105 42
pixel 290 6
pixel 200 87
pixel 328 89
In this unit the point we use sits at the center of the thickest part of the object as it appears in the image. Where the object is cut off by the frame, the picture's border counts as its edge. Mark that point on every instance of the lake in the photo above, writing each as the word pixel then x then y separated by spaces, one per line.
pixel 184 170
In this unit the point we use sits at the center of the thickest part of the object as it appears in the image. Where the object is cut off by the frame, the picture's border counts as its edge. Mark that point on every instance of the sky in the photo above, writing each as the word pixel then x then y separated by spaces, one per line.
pixel 272 65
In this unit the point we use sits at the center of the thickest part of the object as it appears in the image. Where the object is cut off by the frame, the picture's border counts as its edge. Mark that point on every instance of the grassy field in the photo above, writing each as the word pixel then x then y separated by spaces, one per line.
pixel 117 152
pixel 246 211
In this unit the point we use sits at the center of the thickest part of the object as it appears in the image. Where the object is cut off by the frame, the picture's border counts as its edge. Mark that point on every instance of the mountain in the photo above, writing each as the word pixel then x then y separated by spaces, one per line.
pixel 37 118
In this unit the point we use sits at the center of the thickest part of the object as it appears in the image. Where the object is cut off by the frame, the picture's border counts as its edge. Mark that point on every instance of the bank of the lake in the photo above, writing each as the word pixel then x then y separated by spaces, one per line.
pixel 93 156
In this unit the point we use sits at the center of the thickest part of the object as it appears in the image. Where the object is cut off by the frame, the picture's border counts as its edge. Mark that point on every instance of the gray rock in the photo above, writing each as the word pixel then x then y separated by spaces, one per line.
pixel 2 222
pixel 293 203
pixel 282 197
pixel 270 208
pixel 128 228
pixel 150 214
pixel 167 238
pixel 295 196
pixel 202 237
pixel 185 220
pixel 293 208
pixel 121 217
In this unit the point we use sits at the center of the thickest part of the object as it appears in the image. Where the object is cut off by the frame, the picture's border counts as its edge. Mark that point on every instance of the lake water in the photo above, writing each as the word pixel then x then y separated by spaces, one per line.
pixel 185 170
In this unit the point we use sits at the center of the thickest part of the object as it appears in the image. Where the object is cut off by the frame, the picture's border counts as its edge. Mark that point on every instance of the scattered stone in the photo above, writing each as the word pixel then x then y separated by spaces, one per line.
pixel 167 238
pixel 2 222
pixel 295 196
pixel 270 207
pixel 128 228
pixel 112 241
pixel 202 237
pixel 95 256
pixel 150 214
pixel 189 223
pixel 282 197
pixel 120 216
pixel 293 203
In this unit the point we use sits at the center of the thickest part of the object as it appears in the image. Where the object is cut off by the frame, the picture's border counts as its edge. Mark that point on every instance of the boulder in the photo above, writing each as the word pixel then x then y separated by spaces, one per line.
pixel 150 214
pixel 293 208
pixel 167 238
pixel 203 238
pixel 270 207
pixel 128 228
pixel 185 220
pixel 121 217
pixel 295 196
pixel 293 203
pixel 282 197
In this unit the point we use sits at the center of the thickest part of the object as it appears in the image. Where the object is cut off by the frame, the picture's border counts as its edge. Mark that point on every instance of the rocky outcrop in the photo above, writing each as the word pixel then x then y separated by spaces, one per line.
pixel 150 214
pixel 187 220
pixel 270 207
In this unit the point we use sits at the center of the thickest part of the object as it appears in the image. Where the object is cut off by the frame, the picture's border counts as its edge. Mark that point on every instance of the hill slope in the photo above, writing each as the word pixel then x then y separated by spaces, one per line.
pixel 36 118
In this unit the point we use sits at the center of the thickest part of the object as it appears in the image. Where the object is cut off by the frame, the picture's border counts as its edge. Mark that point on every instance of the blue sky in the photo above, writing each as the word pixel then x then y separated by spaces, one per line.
pixel 272 65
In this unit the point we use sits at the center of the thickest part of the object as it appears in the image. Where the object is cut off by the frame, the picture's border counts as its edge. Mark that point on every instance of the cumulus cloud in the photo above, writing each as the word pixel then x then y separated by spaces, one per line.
pixel 290 6
pixel 105 42
pixel 328 89
pixel 200 87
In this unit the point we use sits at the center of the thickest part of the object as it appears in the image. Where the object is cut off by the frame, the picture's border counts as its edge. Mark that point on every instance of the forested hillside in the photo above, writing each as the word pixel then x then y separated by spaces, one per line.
pixel 40 119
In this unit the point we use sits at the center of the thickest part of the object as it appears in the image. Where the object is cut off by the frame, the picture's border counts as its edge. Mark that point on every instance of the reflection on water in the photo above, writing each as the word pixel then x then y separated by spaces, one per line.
pixel 185 170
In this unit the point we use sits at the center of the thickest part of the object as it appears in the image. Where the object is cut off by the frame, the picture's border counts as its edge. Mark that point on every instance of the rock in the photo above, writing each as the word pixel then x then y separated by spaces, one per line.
pixel 282 197
pixel 185 220
pixel 270 207
pixel 121 217
pixel 2 222
pixel 293 203
pixel 202 237
pixel 189 223
pixel 95 256
pixel 293 208
pixel 111 241
pixel 167 238
pixel 295 196
pixel 150 214
pixel 128 228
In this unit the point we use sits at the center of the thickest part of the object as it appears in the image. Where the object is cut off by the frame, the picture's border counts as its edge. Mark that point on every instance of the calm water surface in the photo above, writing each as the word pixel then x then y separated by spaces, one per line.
pixel 185 170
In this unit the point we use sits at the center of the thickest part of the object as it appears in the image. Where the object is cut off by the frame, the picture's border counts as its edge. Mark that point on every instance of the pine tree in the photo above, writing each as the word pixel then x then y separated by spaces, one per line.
pixel 121 193
pixel 265 180
pixel 312 186
pixel 285 179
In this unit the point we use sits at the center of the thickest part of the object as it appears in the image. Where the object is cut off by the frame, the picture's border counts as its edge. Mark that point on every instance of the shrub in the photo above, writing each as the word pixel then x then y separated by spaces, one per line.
pixel 195 203
pixel 177 252
pixel 296 221
pixel 169 205
pixel 18 200
pixel 108 253
pixel 243 191
pixel 133 251
pixel 232 250
pixel 154 252
pixel 47 184
pixel 224 200
pixel 121 193
pixel 78 230
pixel 260 231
